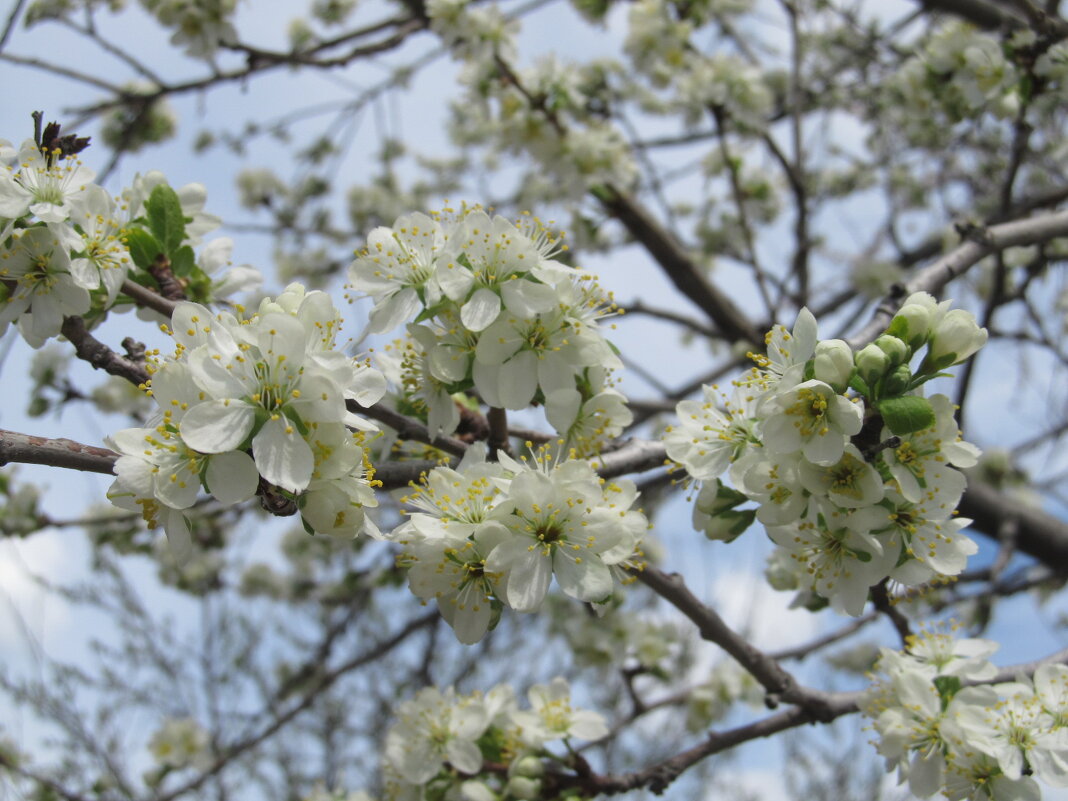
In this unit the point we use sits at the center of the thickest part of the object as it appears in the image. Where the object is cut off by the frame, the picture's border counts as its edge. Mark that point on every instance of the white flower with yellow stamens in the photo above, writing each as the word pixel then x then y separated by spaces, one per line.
pixel 812 418
pixel 563 522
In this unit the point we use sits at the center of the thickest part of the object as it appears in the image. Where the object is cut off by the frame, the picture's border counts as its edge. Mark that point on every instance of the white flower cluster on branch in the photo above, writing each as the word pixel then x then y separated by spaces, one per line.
pixel 944 734
pixel 67 247
pixel 483 746
pixel 245 401
pixel 495 313
pixel 852 468
pixel 490 535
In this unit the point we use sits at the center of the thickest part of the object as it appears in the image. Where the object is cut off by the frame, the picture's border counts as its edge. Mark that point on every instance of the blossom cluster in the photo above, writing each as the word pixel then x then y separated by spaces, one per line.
pixel 943 730
pixel 482 747
pixel 619 636
pixel 497 314
pixel 577 148
pixel 853 470
pixel 200 26
pixel 67 246
pixel 490 535
pixel 253 404
pixel 179 743
pixel 662 47
pixel 959 72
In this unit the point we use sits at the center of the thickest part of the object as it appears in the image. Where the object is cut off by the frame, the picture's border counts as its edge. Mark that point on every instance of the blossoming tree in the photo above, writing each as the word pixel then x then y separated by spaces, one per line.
pixel 855 209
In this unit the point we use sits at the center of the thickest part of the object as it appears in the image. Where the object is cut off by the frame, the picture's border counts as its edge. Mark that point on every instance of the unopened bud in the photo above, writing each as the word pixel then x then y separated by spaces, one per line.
pixel 894 348
pixel 529 766
pixel 912 323
pixel 524 788
pixel 716 497
pixel 872 364
pixel 726 526
pixel 833 363
pixel 897 383
pixel 956 337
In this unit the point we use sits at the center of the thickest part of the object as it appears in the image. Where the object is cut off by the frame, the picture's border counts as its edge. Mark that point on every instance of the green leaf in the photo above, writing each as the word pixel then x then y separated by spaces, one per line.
pixel 859 384
pixel 143 247
pixel 197 285
pixel 921 379
pixel 906 414
pixel 164 212
pixel 183 260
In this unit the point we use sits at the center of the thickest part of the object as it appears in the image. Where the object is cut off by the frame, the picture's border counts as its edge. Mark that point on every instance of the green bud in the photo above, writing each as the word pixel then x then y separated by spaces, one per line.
pixel 524 788
pixel 872 363
pixel 898 381
pixel 529 766
pixel 833 363
pixel 38 406
pixel 912 324
pixel 893 347
pixel 715 497
pixel 727 526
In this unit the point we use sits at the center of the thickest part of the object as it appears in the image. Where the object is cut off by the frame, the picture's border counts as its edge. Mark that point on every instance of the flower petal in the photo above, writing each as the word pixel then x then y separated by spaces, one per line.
pixel 217 426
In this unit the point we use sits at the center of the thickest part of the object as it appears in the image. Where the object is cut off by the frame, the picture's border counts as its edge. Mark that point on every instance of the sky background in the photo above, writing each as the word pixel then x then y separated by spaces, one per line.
pixel 731 577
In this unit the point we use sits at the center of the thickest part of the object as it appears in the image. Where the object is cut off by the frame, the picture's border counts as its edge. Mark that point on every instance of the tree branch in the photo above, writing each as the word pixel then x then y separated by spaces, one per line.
pixel 144 296
pixel 982 242
pixel 677 264
pixel 979 12
pixel 408 428
pixel 30 449
pixel 92 350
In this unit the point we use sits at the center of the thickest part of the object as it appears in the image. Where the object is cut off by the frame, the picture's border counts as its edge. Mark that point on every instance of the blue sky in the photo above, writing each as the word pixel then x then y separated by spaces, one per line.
pixel 717 572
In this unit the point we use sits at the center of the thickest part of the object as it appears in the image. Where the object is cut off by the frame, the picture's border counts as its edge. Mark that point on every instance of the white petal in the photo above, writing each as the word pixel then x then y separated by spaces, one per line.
pixel 282 456
pixel 464 755
pixel 529 576
pixel 561 407
pixel 526 298
pixel 388 313
pixel 584 577
pixel 519 380
pixel 232 477
pixel 217 426
pixel 178 536
pixel 479 312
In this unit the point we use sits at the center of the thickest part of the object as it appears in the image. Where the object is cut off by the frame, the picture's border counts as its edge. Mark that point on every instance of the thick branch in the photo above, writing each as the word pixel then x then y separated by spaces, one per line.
pixel 677 264
pixel 498 431
pixel 28 449
pixel 1038 534
pixel 779 684
pixel 982 242
pixel 659 776
pixel 665 249
pixel 978 12
pixel 833 705
pixel 636 456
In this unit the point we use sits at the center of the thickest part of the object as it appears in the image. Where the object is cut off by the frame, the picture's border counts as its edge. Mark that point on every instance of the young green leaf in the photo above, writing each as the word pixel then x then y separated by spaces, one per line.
pixel 143 247
pixel 906 414
pixel 165 219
